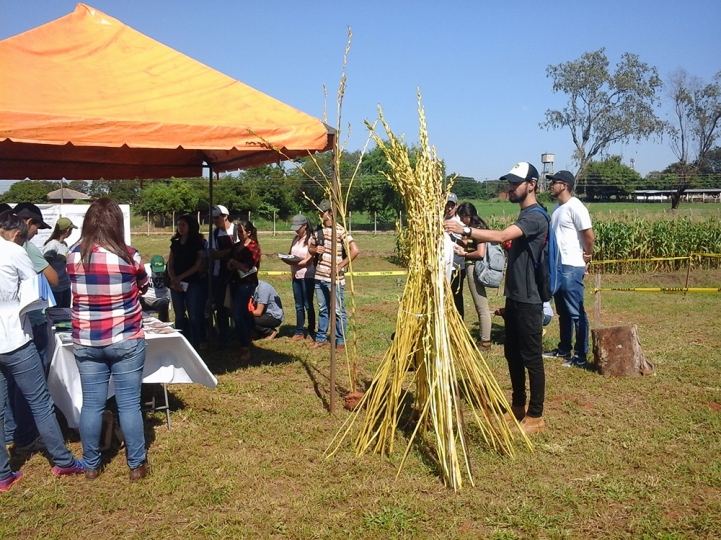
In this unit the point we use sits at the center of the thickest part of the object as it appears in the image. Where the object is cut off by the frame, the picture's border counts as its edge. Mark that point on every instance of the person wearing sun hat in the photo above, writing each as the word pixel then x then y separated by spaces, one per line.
pixel 302 269
pixel 157 297
pixel 55 250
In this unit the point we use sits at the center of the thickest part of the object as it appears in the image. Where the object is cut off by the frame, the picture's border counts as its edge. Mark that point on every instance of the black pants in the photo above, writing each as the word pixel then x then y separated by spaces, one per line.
pixel 523 350
pixel 457 279
pixel 265 324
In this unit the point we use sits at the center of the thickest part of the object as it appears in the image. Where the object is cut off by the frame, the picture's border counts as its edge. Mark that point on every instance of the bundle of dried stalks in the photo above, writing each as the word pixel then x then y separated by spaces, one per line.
pixel 432 347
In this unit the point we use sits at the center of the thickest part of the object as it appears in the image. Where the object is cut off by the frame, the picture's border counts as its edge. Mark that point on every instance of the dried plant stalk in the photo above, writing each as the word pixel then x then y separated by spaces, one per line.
pixel 432 347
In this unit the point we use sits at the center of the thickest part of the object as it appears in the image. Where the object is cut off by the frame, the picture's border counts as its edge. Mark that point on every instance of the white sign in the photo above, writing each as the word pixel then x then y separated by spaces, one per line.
pixel 76 214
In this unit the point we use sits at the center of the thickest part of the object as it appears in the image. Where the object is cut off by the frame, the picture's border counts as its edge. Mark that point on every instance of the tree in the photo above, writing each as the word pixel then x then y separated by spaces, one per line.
pixel 467 188
pixel 162 199
pixel 603 107
pixel 79 185
pixel 33 191
pixel 693 129
pixel 121 191
pixel 610 179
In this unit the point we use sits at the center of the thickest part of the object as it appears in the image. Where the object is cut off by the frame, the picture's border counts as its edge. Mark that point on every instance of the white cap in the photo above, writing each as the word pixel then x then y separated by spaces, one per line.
pixel 220 210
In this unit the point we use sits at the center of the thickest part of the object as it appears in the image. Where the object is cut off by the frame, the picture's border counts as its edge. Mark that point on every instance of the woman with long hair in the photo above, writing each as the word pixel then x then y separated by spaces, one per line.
pixel 107 277
pixel 473 252
pixel 19 357
pixel 186 286
pixel 303 272
pixel 56 252
pixel 244 264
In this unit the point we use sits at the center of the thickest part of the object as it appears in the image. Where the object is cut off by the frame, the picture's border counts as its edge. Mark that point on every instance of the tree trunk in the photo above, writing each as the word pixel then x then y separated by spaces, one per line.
pixel 617 352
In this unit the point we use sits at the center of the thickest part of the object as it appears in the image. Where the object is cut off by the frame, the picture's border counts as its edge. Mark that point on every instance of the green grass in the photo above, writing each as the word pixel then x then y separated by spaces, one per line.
pixel 623 458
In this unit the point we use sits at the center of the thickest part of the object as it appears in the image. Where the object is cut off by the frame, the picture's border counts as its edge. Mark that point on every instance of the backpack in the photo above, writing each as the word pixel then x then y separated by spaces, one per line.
pixel 489 270
pixel 548 270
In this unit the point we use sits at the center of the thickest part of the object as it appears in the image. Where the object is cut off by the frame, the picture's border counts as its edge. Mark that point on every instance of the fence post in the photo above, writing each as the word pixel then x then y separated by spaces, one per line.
pixel 597 303
pixel 375 223
pixel 148 223
pixel 350 221
pixel 273 222
pixel 688 271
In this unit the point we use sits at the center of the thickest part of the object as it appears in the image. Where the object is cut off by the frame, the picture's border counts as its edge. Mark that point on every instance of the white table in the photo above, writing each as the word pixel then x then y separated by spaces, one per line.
pixel 169 359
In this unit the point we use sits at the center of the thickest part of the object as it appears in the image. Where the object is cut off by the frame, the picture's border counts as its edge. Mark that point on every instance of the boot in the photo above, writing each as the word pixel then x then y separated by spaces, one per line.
pixel 517 411
pixel 531 425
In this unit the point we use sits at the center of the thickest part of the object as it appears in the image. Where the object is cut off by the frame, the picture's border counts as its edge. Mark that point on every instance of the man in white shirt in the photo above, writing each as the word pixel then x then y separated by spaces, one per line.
pixel 221 244
pixel 571 224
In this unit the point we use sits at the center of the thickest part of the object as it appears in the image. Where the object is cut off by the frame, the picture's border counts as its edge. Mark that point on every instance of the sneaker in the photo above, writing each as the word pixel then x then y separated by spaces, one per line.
pixel 555 353
pixel 10 481
pixel 78 467
pixel 574 361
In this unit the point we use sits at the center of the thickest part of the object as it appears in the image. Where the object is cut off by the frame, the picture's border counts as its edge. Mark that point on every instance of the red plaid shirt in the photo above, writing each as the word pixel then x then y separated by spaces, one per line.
pixel 106 309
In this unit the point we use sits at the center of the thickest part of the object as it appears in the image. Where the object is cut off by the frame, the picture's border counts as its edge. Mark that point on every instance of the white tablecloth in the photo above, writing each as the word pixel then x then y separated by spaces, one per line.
pixel 169 359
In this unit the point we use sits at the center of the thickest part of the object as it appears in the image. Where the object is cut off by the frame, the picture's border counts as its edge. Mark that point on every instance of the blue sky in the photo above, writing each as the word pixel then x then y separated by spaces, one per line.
pixel 480 65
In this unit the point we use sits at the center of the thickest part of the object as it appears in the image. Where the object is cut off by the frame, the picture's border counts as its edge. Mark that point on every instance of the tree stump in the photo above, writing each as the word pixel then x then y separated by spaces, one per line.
pixel 617 352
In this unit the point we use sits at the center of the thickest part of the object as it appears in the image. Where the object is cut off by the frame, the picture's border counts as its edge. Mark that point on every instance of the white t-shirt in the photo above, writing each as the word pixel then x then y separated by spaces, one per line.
pixel 15 266
pixel 214 245
pixel 568 220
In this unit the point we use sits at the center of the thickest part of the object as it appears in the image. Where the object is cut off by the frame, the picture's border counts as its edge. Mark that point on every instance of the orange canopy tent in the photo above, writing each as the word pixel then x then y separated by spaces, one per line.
pixel 86 97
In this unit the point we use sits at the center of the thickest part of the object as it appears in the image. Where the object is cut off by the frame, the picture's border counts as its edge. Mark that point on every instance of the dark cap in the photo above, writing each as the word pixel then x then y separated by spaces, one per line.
pixel 452 198
pixel 298 222
pixel 563 176
pixel 521 172
pixel 324 206
pixel 28 210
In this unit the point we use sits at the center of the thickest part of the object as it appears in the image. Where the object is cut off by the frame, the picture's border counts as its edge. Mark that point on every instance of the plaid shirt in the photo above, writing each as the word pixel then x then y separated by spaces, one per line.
pixel 106 309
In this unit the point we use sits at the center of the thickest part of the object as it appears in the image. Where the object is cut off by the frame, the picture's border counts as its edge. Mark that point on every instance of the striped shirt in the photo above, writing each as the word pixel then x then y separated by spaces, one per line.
pixel 106 309
pixel 322 269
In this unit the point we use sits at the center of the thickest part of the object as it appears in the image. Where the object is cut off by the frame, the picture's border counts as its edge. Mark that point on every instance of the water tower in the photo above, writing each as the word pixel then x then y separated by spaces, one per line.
pixel 547 160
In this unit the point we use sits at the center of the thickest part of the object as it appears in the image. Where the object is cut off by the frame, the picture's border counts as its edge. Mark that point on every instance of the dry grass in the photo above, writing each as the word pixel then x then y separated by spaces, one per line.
pixel 623 458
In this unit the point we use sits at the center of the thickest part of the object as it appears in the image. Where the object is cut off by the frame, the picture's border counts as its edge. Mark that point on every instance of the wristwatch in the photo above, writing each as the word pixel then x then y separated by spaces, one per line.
pixel 466 231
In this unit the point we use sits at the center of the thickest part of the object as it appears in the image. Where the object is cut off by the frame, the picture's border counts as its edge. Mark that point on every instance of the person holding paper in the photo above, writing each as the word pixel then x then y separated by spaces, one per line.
pixel 107 277
pixel 244 263
pixel 19 357
pixel 186 287
pixel 302 267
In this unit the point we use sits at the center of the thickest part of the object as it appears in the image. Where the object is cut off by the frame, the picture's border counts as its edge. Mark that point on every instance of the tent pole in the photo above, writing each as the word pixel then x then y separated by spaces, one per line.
pixel 211 263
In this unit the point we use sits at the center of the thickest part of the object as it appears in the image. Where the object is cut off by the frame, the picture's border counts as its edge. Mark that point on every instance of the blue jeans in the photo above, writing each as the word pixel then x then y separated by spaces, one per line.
pixel 125 361
pixel 242 318
pixel 189 308
pixel 19 424
pixel 571 313
pixel 25 367
pixel 322 289
pixel 303 296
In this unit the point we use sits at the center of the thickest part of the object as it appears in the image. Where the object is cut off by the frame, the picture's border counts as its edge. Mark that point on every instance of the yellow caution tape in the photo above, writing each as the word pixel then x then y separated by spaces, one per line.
pixel 354 274
pixel 661 289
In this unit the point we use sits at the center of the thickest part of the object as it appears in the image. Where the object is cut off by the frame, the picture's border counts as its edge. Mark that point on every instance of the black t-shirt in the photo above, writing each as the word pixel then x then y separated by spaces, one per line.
pixel 185 255
pixel 520 277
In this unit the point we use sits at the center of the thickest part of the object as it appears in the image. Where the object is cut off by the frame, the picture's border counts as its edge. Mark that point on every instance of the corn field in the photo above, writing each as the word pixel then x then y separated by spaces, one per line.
pixel 624 237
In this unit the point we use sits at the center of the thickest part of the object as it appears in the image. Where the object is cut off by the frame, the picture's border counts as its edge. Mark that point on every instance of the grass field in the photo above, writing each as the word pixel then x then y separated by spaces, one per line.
pixel 623 458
